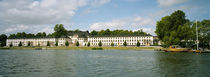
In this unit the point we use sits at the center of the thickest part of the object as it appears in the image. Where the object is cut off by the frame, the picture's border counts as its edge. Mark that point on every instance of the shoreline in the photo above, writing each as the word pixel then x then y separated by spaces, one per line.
pixel 79 48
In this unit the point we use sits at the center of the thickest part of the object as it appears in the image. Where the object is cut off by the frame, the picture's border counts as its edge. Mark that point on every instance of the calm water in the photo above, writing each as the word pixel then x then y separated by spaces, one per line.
pixel 106 63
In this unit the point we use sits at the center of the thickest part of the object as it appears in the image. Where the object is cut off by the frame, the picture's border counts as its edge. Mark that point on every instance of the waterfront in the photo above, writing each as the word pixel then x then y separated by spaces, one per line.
pixel 102 63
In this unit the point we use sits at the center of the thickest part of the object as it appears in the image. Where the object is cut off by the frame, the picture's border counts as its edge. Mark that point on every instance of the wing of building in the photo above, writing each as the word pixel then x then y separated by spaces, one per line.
pixel 83 37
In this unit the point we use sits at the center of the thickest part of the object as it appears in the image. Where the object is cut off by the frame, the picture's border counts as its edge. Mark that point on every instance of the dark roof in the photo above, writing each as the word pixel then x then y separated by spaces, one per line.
pixel 79 33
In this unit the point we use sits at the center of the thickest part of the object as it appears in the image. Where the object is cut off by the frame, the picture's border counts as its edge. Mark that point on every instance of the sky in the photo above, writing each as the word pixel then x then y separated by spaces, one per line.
pixel 33 16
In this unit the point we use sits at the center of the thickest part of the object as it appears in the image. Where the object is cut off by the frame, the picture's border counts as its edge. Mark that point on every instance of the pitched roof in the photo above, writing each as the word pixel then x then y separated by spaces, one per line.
pixel 79 33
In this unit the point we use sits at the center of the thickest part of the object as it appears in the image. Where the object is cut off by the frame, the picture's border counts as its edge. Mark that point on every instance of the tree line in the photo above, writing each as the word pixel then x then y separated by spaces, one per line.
pixel 108 32
pixel 175 29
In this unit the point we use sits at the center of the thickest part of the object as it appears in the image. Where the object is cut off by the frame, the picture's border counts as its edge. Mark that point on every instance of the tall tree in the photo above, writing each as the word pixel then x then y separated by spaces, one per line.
pixel 169 27
pixel 60 30
pixel 3 39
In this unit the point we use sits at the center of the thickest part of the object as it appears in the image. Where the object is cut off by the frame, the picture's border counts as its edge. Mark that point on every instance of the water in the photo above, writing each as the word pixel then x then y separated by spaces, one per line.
pixel 105 63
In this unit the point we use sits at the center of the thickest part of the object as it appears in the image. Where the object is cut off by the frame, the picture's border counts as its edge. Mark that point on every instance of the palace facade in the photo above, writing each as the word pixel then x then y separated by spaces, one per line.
pixel 83 38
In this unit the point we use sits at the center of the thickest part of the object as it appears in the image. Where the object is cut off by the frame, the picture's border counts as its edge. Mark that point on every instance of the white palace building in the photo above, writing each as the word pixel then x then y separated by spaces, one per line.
pixel 83 38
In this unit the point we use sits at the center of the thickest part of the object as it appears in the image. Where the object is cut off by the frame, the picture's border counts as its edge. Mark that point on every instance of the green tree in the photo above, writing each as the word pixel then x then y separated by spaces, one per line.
pixel 20 44
pixel 100 44
pixel 94 33
pixel 112 44
pixel 88 44
pixel 10 45
pixel 56 43
pixel 48 43
pixel 67 43
pixel 138 44
pixel 107 32
pixel 77 43
pixel 203 33
pixel 125 43
pixel 39 35
pixel 38 44
pixel 28 44
pixel 60 30
pixel 169 27
pixel 3 39
pixel 43 34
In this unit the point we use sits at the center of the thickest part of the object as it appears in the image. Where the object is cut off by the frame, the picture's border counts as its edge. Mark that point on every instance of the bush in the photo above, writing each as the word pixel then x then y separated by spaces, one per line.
pixel 48 43
pixel 99 44
pixel 20 44
pixel 125 44
pixel 67 43
pixel 112 44
pixel 29 44
pixel 88 44
pixel 56 43
pixel 77 44
pixel 10 45
pixel 138 44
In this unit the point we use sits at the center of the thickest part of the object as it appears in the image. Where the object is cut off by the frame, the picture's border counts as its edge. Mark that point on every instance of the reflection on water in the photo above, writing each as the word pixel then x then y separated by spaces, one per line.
pixel 106 63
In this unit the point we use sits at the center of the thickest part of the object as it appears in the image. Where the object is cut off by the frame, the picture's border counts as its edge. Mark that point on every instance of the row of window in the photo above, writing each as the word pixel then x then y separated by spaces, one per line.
pixel 119 38
pixel 119 43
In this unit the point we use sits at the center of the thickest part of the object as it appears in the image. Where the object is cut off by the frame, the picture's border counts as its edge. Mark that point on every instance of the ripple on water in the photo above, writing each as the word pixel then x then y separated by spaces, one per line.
pixel 105 63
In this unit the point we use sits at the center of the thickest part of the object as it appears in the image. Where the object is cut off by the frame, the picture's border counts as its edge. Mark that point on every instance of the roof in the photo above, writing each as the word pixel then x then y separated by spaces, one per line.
pixel 79 33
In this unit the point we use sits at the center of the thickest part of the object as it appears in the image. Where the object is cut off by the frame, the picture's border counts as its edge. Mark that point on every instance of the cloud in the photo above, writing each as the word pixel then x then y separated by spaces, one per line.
pixel 96 3
pixel 132 22
pixel 167 3
pixel 39 13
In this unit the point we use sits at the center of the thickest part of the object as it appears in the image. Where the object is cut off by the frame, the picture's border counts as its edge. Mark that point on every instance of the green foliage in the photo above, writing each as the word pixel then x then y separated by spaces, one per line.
pixel 138 44
pixel 94 33
pixel 10 45
pixel 174 28
pixel 3 39
pixel 67 43
pixel 38 44
pixel 20 44
pixel 29 35
pixel 112 44
pixel 88 44
pixel 56 43
pixel 28 44
pixel 100 44
pixel 48 43
pixel 107 32
pixel 203 33
pixel 59 30
pixel 125 43
pixel 77 43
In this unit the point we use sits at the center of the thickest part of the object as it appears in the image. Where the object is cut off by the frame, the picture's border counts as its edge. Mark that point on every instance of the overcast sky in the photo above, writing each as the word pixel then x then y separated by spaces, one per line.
pixel 34 16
